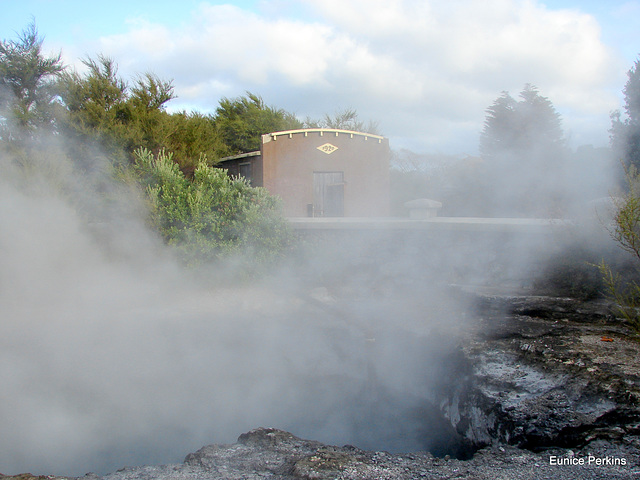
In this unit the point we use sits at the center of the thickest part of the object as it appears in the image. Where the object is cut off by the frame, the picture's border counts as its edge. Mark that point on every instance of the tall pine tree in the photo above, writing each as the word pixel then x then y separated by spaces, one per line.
pixel 530 126
pixel 625 134
pixel 523 151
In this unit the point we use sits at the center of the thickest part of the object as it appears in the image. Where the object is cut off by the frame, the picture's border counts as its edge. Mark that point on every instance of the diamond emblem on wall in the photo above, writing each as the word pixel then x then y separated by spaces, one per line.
pixel 327 148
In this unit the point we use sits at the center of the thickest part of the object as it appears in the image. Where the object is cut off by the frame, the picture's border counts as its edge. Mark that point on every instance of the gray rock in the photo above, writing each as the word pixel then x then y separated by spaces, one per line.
pixel 552 373
pixel 274 454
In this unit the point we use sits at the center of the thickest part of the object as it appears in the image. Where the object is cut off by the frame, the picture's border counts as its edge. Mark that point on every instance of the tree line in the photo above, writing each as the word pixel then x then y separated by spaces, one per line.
pixel 108 123
pixel 106 120
pixel 522 145
pixel 100 107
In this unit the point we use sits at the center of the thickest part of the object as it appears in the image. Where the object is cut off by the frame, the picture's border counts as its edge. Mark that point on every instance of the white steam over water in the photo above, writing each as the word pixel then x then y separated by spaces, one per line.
pixel 111 355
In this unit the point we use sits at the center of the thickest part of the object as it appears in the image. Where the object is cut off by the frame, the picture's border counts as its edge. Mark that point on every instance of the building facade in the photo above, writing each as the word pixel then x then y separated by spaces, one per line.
pixel 320 172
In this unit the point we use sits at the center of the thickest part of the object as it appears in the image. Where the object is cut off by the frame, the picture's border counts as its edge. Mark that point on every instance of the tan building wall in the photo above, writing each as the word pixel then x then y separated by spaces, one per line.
pixel 324 172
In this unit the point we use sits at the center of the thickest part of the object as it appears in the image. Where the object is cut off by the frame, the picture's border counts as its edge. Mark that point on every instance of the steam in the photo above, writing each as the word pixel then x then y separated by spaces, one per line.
pixel 111 354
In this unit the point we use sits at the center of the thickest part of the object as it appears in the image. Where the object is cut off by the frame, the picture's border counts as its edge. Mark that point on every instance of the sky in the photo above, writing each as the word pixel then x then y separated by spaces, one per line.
pixel 424 70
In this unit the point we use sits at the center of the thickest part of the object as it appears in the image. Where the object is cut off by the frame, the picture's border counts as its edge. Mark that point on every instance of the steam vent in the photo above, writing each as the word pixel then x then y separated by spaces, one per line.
pixel 320 172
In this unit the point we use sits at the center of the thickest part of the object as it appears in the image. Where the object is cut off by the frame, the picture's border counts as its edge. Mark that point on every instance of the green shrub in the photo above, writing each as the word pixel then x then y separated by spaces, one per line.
pixel 211 216
pixel 624 289
pixel 571 273
pixel 625 294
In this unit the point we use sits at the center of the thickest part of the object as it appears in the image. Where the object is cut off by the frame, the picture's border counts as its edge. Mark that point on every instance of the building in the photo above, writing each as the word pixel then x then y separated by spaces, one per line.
pixel 320 172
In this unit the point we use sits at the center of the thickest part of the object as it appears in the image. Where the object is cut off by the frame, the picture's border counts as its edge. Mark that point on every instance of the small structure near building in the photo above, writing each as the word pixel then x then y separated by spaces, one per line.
pixel 320 172
pixel 423 208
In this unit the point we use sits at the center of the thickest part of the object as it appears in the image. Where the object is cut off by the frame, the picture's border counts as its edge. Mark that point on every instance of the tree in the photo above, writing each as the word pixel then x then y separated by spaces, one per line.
pixel 193 138
pixel 149 118
pixel 96 107
pixel 625 141
pixel 527 127
pixel 498 134
pixel 523 152
pixel 104 109
pixel 102 106
pixel 346 119
pixel 625 134
pixel 27 76
pixel 241 122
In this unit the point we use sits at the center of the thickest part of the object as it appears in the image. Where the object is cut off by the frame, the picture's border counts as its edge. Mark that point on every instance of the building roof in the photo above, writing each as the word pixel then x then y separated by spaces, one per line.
pixel 241 155
pixel 335 132
pixel 321 132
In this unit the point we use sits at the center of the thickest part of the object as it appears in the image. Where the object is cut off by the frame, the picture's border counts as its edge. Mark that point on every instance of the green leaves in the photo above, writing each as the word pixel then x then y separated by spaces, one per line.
pixel 151 93
pixel 346 119
pixel 625 140
pixel 626 226
pixel 242 121
pixel 625 294
pixel 211 216
pixel 29 75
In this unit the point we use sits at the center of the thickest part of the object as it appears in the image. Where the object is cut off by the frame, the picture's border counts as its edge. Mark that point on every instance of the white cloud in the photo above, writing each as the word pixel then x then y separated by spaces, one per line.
pixel 410 64
pixel 149 41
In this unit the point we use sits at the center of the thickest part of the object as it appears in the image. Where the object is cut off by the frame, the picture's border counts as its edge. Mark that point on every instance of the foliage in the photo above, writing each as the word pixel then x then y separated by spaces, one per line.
pixel 26 85
pixel 149 95
pixel 625 134
pixel 626 227
pixel 192 138
pixel 521 127
pixel 241 122
pixel 211 216
pixel 625 294
pixel 524 154
pixel 96 109
pixel 101 107
pixel 449 179
pixel 346 119
pixel 626 232
pixel 571 272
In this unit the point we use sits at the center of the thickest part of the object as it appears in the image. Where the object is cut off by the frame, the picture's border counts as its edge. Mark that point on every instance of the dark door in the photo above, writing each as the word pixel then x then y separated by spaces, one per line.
pixel 244 170
pixel 328 194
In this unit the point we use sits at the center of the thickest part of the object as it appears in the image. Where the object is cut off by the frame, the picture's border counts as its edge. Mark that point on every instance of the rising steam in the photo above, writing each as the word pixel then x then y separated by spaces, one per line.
pixel 112 354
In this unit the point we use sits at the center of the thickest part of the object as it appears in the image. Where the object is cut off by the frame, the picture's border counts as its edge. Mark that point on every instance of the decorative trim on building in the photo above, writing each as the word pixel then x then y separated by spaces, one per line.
pixel 320 131
pixel 327 148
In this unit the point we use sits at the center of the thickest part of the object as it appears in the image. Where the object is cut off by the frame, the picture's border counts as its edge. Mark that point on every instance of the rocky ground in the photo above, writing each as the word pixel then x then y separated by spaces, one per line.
pixel 555 372
pixel 270 453
pixel 550 391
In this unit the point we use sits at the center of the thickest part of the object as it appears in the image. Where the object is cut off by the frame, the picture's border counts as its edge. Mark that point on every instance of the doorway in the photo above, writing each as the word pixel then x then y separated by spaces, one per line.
pixel 328 194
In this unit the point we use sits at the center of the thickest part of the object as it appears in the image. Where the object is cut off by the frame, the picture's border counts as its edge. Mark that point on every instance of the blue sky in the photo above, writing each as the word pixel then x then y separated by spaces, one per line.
pixel 425 70
pixel 619 20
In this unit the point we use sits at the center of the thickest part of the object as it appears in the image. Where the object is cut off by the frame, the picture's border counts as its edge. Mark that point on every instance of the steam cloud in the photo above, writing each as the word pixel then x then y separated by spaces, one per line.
pixel 112 355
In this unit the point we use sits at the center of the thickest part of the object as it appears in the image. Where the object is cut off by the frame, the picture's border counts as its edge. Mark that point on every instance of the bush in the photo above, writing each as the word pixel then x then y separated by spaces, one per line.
pixel 211 216
pixel 625 294
pixel 571 273
pixel 624 290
